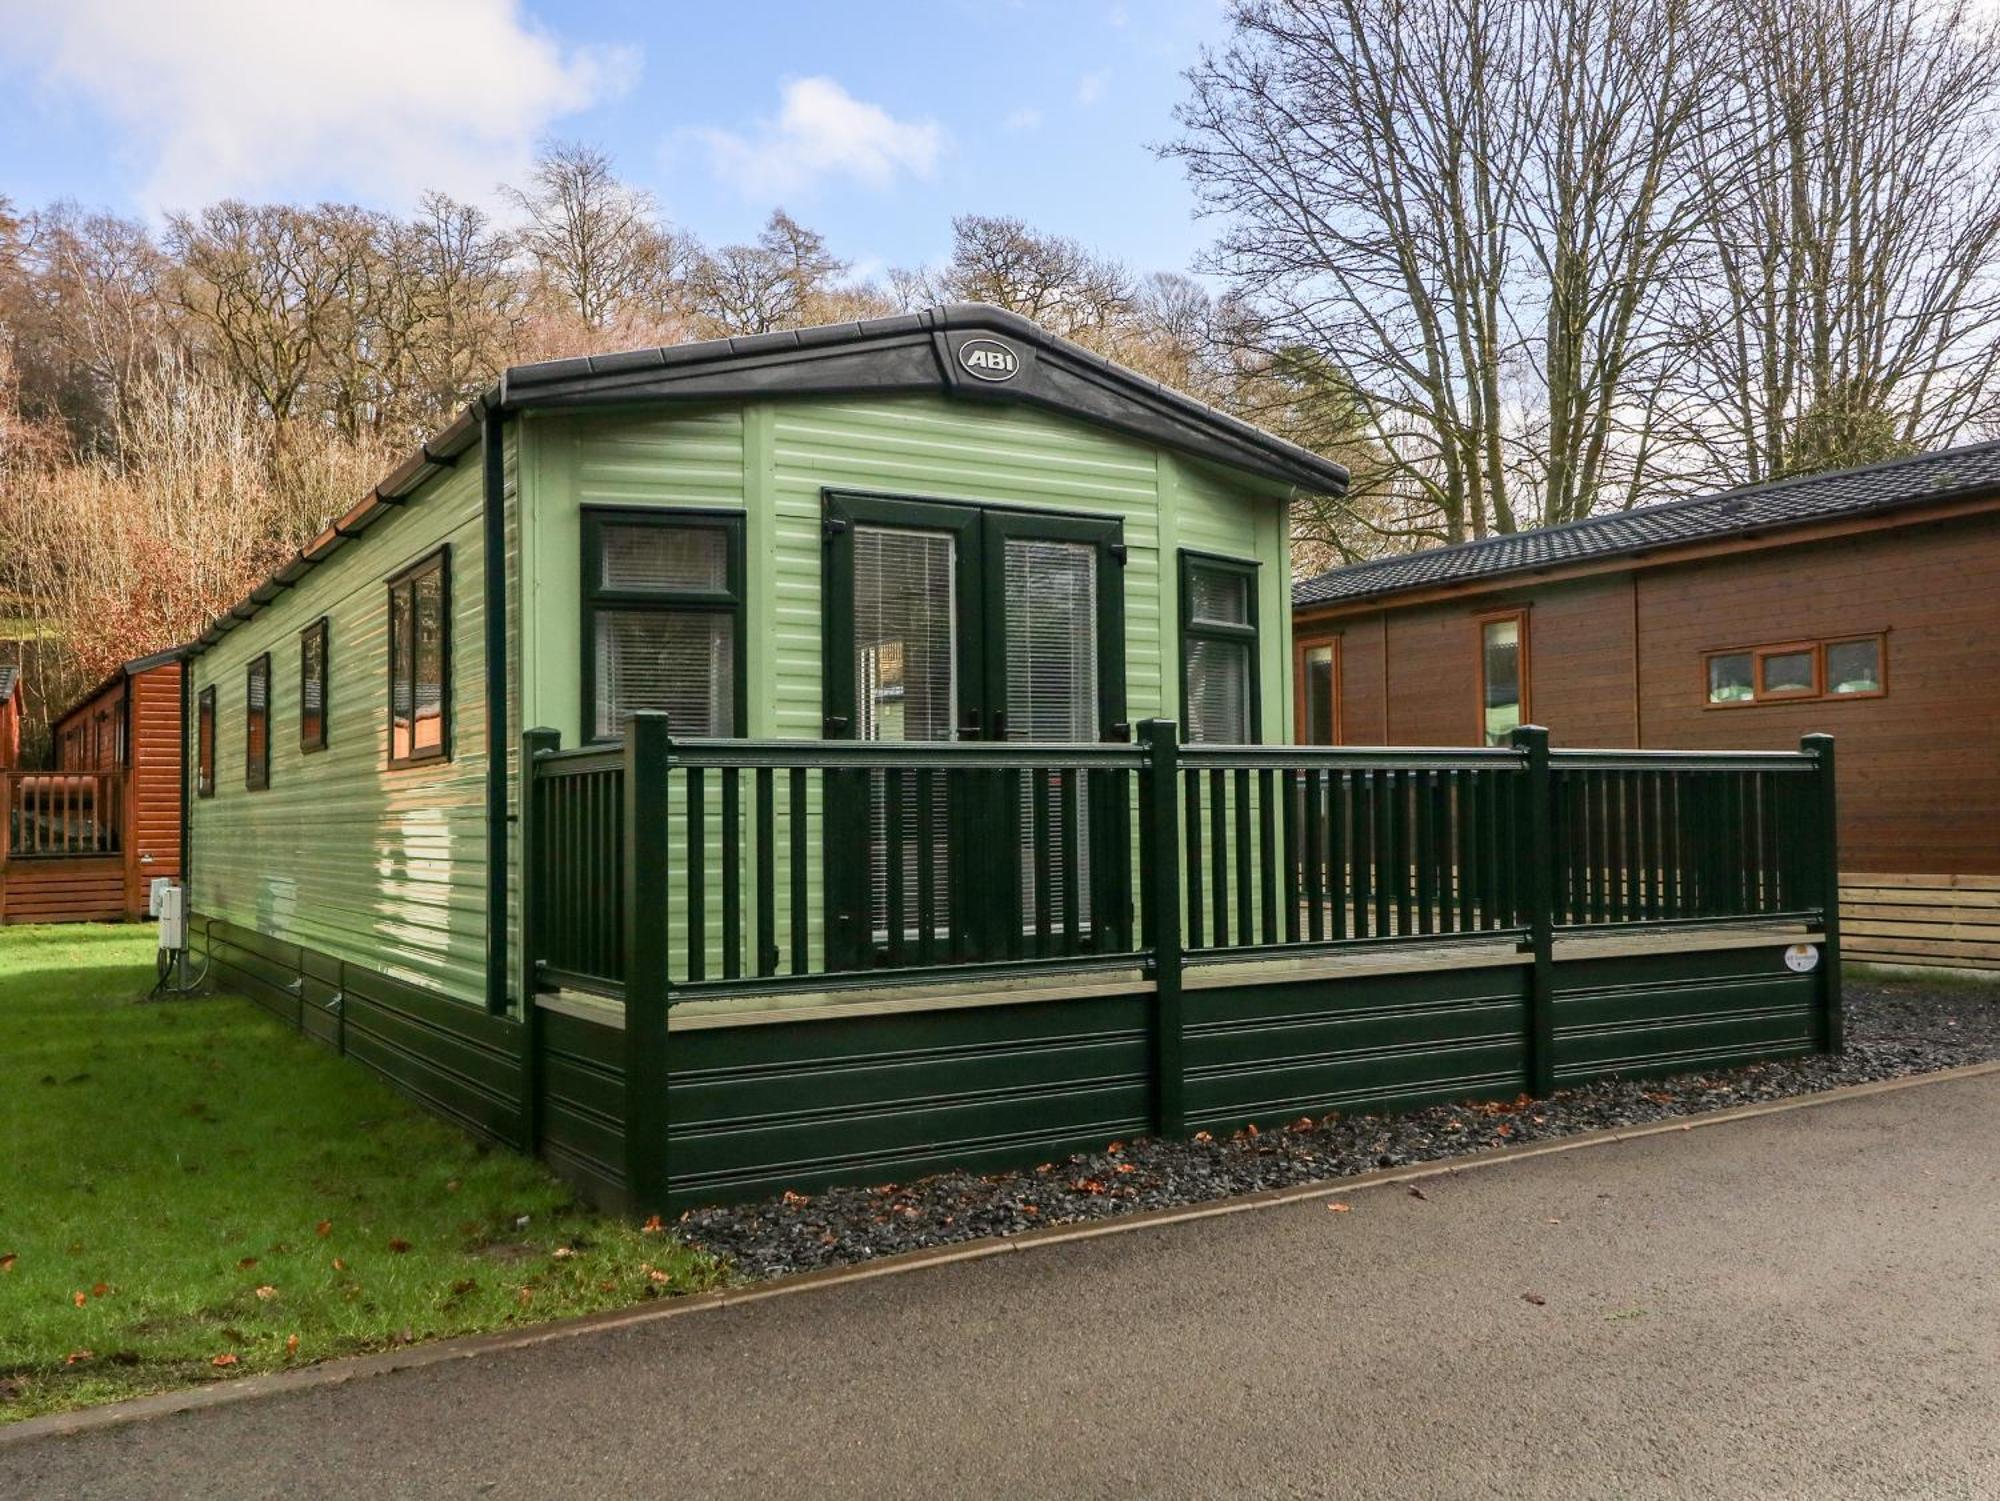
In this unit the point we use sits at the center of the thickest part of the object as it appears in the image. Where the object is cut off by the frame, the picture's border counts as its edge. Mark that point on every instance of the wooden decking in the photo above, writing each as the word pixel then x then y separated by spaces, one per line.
pixel 1941 920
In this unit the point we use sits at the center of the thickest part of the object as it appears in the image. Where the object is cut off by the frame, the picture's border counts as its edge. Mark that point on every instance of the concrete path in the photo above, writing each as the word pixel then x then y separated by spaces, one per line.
pixel 1804 1304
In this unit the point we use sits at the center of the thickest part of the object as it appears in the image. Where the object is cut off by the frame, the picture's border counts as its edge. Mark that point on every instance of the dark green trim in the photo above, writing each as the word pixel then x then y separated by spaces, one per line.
pixel 321 630
pixel 648 892
pixel 204 773
pixel 439 561
pixel 257 772
pixel 731 602
pixel 1246 568
pixel 493 575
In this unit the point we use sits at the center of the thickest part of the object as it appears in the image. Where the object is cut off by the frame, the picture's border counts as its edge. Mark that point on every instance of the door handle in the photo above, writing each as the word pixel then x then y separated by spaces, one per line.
pixel 999 724
pixel 968 726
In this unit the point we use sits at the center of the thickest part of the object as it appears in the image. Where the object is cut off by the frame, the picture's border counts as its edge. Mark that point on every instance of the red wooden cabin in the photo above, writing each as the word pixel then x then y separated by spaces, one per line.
pixel 83 842
pixel 10 716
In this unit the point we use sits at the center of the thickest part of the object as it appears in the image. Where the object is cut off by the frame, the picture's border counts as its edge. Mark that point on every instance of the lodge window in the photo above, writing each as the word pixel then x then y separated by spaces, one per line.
pixel 1218 650
pixel 1795 671
pixel 663 619
pixel 1503 675
pixel 420 662
pixel 312 686
pixel 257 724
pixel 1319 692
pixel 204 744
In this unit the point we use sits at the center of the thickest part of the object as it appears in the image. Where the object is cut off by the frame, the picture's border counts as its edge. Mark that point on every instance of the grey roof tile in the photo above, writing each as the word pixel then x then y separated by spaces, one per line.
pixel 1814 497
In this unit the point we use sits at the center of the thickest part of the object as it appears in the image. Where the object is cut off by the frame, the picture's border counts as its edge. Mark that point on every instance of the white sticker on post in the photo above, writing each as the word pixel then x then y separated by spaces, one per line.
pixel 1802 958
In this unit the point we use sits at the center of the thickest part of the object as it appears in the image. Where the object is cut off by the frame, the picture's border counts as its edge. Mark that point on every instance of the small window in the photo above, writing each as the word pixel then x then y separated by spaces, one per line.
pixel 204 744
pixel 1503 676
pixel 1854 668
pixel 1218 650
pixel 1796 671
pixel 312 686
pixel 663 598
pixel 420 662
pixel 1319 693
pixel 257 724
pixel 1729 678
pixel 1787 674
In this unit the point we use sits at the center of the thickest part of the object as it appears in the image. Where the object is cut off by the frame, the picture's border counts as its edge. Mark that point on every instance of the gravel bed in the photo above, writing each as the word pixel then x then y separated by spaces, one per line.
pixel 1894 1028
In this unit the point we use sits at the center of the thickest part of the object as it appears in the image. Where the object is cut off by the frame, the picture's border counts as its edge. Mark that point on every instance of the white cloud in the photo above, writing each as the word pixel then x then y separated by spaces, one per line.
pixel 823 132
pixel 1024 119
pixel 373 99
pixel 1090 88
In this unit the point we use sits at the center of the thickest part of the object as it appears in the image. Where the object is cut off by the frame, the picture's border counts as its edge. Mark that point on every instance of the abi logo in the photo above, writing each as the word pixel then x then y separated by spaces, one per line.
pixel 988 359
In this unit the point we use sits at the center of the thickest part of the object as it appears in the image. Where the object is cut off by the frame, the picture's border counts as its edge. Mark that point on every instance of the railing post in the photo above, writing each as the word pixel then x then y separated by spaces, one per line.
pixel 528 850
pixel 648 759
pixel 1826 846
pixel 1160 875
pixel 1536 850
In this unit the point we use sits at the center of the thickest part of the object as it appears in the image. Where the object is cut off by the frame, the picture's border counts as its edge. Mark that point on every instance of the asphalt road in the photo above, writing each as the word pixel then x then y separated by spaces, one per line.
pixel 1805 1304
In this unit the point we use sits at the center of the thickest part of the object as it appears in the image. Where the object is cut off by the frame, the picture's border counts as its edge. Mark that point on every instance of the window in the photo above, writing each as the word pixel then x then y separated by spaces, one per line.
pixel 1319 693
pixel 1795 671
pixel 312 686
pixel 257 724
pixel 1503 675
pixel 1218 650
pixel 204 744
pixel 420 662
pixel 663 605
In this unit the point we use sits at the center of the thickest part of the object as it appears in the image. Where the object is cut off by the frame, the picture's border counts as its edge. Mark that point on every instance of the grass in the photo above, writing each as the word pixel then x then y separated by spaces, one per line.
pixel 189 1191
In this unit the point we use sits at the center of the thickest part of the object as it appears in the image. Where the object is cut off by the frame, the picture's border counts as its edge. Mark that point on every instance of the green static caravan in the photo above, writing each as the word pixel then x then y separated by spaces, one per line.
pixel 845 753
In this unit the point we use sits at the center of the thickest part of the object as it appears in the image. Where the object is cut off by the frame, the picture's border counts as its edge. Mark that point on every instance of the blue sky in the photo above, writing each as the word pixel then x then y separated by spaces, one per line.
pixel 874 122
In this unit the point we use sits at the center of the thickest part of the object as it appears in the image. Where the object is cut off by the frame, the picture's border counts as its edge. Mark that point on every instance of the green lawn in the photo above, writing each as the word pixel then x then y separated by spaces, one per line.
pixel 190 1191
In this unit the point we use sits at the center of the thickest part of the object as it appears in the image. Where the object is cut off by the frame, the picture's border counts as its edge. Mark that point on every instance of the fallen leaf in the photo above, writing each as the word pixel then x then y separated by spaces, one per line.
pixel 1251 1129
pixel 652 1226
pixel 796 1200
pixel 1203 1136
pixel 1126 1167
pixel 1418 1193
pixel 1115 1148
pixel 525 1296
pixel 1088 1186
pixel 246 1263
pixel 1535 1298
pixel 1339 1208
pixel 323 1229
pixel 654 1274
pixel 79 1298
pixel 1555 1222
pixel 398 1244
pixel 562 1253
pixel 291 1344
pixel 339 1265
pixel 7 1261
pixel 77 1357
pixel 267 1292
pixel 451 1185
pixel 224 1359
pixel 100 1289
pixel 1303 1123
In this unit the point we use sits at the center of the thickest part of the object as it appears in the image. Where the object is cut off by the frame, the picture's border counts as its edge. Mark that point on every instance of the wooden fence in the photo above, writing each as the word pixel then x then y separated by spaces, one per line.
pixel 64 846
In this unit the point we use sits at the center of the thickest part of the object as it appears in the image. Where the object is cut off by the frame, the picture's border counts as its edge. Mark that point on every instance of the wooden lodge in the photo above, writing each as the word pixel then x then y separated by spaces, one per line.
pixel 1852 603
pixel 83 841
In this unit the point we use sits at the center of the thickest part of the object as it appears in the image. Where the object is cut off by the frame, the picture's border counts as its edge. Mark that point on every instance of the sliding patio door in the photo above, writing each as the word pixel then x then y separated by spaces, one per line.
pixel 955 622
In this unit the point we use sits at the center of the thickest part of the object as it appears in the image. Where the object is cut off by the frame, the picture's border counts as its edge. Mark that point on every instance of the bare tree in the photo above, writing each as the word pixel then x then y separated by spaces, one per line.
pixel 1848 307
pixel 1467 207
pixel 594 239
pixel 1049 278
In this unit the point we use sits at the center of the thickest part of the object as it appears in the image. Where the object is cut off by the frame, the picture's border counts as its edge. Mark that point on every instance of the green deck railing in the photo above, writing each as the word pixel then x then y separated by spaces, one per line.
pixel 659 872
pixel 787 864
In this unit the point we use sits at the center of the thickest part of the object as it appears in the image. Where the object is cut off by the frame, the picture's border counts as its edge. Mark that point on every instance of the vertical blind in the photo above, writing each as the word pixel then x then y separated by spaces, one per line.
pixel 1051 634
pixel 906 688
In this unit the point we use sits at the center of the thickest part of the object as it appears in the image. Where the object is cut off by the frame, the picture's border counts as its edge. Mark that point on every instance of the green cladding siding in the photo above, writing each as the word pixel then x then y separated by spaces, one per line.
pixel 342 854
pixel 774 460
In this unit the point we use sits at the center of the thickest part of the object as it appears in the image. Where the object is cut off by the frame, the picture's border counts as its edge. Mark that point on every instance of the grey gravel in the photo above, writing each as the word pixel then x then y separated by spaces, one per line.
pixel 1894 1028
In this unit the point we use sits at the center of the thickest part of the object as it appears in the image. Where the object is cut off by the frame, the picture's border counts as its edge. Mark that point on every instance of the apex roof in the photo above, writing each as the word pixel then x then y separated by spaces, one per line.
pixel 1945 474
